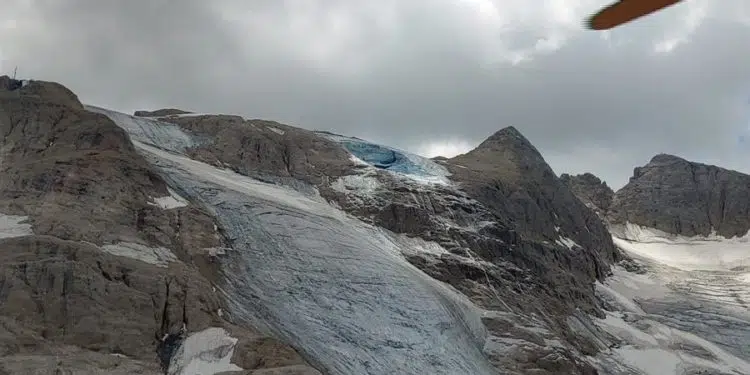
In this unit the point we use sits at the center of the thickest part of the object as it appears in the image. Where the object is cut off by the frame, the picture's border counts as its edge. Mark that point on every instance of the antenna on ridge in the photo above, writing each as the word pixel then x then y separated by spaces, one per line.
pixel 14 72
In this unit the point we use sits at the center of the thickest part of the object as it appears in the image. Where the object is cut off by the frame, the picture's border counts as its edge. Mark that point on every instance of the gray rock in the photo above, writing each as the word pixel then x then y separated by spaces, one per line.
pixel 592 191
pixel 682 197
pixel 160 112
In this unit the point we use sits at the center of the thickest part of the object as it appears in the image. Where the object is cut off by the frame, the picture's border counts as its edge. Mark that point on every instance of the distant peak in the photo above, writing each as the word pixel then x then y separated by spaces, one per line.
pixel 505 137
pixel 666 159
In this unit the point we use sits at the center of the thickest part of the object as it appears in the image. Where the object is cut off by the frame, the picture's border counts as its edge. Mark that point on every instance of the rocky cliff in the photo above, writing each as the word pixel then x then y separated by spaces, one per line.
pixel 677 196
pixel 100 270
pixel 592 191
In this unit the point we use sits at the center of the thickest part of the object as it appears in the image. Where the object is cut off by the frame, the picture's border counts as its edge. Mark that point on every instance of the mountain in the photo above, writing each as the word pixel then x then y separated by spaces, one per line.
pixel 686 272
pixel 187 243
pixel 681 197
pixel 101 267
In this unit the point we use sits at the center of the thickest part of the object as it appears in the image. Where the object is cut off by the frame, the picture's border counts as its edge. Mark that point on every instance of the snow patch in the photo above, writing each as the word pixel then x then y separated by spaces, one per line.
pixel 173 200
pixel 158 256
pixel 365 184
pixel 276 130
pixel 206 352
pixel 686 253
pixel 14 226
pixel 567 242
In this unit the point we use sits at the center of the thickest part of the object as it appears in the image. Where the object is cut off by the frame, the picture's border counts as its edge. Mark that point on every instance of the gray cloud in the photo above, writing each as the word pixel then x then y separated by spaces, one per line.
pixel 413 73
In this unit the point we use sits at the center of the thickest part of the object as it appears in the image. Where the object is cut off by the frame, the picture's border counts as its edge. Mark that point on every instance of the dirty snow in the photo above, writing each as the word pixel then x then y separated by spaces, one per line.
pixel 173 200
pixel 276 130
pixel 361 184
pixel 206 352
pixel 14 226
pixel 651 347
pixel 158 256
pixel 686 311
pixel 686 253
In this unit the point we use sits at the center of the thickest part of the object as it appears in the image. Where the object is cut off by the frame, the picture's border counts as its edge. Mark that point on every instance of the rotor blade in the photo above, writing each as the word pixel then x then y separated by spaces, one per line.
pixel 625 11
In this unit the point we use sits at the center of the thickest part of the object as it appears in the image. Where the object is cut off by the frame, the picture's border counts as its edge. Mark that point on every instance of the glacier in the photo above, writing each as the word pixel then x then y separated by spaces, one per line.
pixel 687 309
pixel 348 299
pixel 351 303
pixel 415 167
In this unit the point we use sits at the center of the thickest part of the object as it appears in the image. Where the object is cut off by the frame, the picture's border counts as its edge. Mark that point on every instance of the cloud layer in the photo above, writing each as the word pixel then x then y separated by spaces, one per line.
pixel 430 76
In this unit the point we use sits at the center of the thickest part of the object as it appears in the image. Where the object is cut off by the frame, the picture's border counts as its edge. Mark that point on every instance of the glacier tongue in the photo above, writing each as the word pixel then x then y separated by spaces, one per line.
pixel 338 289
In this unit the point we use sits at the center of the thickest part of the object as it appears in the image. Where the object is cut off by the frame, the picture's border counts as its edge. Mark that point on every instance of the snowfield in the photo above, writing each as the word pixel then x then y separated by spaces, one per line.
pixel 688 311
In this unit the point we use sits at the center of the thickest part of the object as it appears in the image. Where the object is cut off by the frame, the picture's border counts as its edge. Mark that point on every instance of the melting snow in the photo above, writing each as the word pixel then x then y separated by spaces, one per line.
pixel 158 256
pixel 653 348
pixel 14 226
pixel 686 253
pixel 206 352
pixel 173 200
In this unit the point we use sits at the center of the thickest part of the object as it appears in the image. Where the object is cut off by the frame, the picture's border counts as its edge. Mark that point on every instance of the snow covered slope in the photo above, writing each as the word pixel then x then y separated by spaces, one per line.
pixel 685 310
pixel 319 278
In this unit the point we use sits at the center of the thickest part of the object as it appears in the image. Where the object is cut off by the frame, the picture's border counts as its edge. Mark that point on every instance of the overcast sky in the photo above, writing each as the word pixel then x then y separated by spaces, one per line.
pixel 430 76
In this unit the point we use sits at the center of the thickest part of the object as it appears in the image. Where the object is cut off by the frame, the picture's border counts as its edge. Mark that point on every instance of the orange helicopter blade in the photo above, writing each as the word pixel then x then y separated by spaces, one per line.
pixel 625 11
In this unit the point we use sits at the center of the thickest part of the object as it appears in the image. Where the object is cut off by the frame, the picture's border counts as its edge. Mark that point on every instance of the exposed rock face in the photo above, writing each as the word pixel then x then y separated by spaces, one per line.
pixel 592 191
pixel 161 112
pixel 71 300
pixel 267 149
pixel 509 176
pixel 681 197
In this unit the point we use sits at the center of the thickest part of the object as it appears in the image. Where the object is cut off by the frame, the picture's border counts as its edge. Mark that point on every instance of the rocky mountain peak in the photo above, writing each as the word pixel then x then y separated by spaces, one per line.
pixel 683 197
pixel 508 139
pixel 42 91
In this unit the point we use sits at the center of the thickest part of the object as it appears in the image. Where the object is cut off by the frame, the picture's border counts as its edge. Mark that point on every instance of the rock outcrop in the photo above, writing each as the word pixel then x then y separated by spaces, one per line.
pixel 677 196
pixel 100 277
pixel 161 112
pixel 592 191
